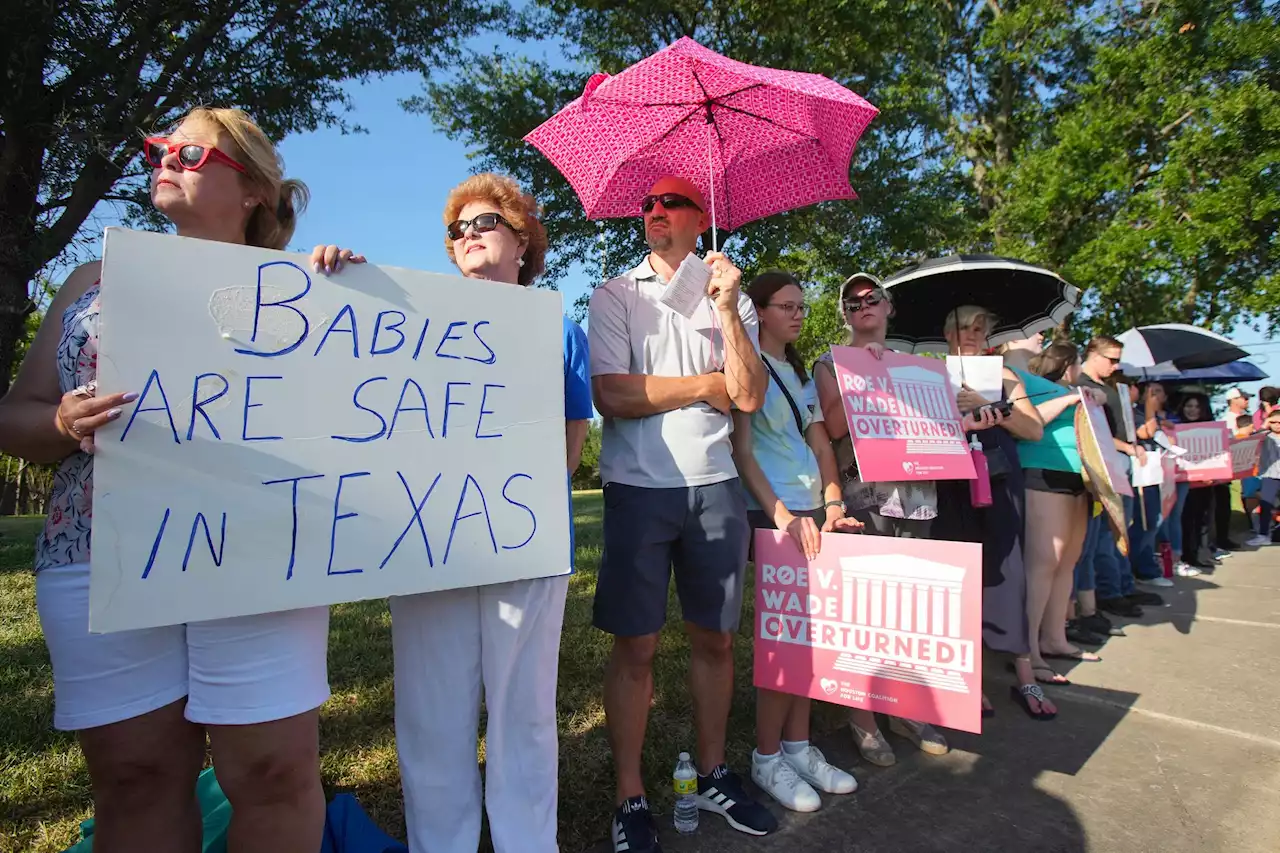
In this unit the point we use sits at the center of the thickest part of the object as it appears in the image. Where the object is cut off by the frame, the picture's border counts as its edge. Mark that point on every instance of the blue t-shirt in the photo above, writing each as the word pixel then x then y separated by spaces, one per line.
pixel 779 448
pixel 577 394
pixel 1056 450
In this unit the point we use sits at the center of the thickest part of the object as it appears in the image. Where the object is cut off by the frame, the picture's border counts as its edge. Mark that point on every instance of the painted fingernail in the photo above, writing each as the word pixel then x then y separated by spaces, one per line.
pixel 113 414
pixel 328 269
pixel 130 397
pixel 315 266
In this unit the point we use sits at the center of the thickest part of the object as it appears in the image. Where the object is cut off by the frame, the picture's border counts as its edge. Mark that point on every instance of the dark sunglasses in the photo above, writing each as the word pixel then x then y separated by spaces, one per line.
pixel 1112 360
pixel 191 155
pixel 872 298
pixel 669 201
pixel 484 222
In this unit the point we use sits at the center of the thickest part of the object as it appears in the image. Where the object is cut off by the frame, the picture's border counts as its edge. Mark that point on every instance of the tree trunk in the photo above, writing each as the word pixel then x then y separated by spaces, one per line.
pixel 20 488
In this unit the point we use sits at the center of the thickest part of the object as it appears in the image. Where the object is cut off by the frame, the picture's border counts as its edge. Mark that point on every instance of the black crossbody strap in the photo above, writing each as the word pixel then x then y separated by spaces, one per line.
pixel 795 410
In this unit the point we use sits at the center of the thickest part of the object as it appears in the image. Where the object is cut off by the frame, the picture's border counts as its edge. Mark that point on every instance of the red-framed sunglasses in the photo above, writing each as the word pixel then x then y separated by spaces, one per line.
pixel 191 155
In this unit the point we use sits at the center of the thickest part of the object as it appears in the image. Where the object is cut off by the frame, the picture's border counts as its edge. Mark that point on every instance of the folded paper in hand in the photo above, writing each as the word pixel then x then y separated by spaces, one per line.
pixel 1162 439
pixel 1151 473
pixel 688 287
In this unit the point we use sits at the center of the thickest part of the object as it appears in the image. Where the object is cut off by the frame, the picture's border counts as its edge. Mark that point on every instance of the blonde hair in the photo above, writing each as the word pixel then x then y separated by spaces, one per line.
pixel 515 205
pixel 273 220
pixel 964 317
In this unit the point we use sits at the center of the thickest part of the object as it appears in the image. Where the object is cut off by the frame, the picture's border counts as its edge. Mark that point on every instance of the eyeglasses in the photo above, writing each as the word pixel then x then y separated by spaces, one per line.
pixel 191 155
pixel 791 308
pixel 669 201
pixel 854 304
pixel 480 224
pixel 1112 359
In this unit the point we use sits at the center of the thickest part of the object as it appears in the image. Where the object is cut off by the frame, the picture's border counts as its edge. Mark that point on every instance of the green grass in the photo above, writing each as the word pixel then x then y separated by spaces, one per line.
pixel 44 788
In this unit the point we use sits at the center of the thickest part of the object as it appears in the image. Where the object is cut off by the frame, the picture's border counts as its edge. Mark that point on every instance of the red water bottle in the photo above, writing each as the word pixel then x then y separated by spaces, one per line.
pixel 1166 559
pixel 979 486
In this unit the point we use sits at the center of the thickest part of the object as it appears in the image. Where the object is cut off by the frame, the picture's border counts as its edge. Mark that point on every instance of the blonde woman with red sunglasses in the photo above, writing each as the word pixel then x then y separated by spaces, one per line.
pixel 143 702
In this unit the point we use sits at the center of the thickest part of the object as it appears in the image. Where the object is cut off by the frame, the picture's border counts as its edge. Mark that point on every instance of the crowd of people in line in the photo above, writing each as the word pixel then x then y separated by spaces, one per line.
pixel 712 426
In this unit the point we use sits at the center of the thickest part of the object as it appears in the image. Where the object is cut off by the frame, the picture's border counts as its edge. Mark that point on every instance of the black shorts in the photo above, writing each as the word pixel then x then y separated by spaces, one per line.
pixel 1056 482
pixel 701 531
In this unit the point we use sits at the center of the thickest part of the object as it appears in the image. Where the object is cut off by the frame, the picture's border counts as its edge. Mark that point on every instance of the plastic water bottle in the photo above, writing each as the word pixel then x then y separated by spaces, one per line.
pixel 685 781
pixel 979 486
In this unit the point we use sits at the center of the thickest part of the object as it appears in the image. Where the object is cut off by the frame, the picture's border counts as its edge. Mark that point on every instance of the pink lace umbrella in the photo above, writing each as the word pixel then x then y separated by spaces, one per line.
pixel 756 141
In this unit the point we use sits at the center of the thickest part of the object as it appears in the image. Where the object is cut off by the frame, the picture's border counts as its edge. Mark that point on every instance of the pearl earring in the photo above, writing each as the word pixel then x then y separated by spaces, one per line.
pixel 519 262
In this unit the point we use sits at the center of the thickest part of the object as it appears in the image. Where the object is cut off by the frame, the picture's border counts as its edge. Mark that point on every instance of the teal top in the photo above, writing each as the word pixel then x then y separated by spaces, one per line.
pixel 1057 450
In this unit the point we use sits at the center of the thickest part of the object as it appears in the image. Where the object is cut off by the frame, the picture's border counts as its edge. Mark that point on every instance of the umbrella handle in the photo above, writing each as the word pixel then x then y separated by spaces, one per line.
pixel 711 177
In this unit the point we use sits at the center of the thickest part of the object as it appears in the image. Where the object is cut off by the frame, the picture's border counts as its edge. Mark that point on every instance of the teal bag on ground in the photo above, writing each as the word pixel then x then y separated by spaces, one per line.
pixel 214 809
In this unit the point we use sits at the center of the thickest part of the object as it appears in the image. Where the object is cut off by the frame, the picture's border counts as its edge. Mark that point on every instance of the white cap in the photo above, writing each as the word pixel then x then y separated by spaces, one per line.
pixel 1236 394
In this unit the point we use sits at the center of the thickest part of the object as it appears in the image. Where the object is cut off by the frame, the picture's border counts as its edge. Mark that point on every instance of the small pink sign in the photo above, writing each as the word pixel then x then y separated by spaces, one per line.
pixel 902 417
pixel 890 625
pixel 1168 486
pixel 1208 456
pixel 1244 455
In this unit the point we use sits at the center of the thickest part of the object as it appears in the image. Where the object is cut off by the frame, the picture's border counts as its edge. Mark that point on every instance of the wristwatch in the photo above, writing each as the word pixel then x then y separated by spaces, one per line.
pixel 840 504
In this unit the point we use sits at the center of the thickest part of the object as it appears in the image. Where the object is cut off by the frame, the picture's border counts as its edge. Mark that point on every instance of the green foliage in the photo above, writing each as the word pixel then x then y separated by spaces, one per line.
pixel 587 476
pixel 1131 146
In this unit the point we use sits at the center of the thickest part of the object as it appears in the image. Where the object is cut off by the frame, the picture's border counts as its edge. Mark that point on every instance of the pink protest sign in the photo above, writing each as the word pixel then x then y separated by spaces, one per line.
pixel 902 417
pixel 890 625
pixel 1208 455
pixel 1244 455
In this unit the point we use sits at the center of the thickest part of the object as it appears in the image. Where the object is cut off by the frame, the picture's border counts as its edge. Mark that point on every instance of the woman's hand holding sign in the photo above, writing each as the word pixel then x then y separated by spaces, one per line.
pixel 802 530
pixel 81 413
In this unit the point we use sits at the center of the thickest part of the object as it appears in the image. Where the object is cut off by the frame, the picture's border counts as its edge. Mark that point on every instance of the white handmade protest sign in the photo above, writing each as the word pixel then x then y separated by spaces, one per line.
pixel 983 374
pixel 303 440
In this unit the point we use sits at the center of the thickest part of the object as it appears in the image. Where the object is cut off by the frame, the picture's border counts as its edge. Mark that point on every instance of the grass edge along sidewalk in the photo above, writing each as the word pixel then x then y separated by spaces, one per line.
pixel 44 787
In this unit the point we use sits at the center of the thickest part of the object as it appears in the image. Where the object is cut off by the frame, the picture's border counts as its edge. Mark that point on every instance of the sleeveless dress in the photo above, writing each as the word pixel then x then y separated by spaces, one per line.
pixel 65 538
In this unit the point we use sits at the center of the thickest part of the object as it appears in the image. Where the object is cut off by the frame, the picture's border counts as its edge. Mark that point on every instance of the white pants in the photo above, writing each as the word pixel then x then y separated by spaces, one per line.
pixel 505 637
pixel 239 671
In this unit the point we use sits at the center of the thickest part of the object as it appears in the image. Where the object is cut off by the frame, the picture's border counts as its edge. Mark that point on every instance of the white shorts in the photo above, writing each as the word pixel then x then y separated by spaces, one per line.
pixel 239 671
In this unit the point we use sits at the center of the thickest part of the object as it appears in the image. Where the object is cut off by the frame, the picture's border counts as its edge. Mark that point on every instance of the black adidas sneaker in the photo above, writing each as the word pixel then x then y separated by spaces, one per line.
pixel 633 829
pixel 722 792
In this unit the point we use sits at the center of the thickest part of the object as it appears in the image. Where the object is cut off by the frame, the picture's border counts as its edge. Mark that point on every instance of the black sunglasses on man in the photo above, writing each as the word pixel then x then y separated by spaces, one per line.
pixel 669 201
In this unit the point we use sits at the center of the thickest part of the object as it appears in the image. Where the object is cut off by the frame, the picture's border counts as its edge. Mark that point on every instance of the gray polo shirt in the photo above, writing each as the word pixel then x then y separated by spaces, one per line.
pixel 631 332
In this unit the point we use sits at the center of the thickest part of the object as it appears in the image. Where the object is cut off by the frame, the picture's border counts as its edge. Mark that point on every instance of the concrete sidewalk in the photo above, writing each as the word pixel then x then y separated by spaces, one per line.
pixel 1171 744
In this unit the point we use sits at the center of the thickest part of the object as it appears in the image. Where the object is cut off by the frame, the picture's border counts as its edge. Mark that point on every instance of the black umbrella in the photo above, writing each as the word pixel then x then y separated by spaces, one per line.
pixel 1024 299
pixel 1184 347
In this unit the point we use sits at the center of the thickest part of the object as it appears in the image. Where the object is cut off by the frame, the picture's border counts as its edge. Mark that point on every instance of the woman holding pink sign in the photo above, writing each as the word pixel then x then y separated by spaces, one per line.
pixel 784 457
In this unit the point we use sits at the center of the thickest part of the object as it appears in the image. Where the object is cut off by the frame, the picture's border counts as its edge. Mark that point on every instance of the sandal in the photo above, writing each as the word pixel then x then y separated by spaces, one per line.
pixel 1080 656
pixel 1020 695
pixel 987 710
pixel 1058 679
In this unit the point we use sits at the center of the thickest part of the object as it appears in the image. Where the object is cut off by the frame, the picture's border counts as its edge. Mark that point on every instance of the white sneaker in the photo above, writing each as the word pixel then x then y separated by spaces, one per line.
pixel 1183 570
pixel 1161 581
pixel 813 768
pixel 777 778
pixel 1258 541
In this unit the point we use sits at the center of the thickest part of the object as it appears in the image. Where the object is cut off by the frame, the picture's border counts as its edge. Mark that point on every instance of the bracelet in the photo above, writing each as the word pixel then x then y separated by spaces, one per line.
pixel 840 504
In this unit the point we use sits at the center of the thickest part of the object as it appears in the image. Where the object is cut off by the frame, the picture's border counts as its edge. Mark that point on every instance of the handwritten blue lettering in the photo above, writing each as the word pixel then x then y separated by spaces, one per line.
pixel 350 314
pixel 418 506
pixel 450 336
pixel 493 356
pixel 155 546
pixel 142 398
pixel 484 510
pixel 248 392
pixel 333 531
pixel 533 519
pixel 422 336
pixel 283 303
pixel 484 396
pixel 191 540
pixel 401 407
pixel 355 401
pixel 293 542
pixel 448 402
pixel 394 327
pixel 197 405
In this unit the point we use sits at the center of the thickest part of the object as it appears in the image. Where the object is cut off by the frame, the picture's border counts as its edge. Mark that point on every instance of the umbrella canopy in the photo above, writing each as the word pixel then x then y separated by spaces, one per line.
pixel 1180 345
pixel 756 141
pixel 1024 299
pixel 1233 371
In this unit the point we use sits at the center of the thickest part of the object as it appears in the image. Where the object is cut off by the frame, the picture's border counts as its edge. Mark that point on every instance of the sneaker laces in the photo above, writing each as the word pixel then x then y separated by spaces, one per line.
pixel 784 774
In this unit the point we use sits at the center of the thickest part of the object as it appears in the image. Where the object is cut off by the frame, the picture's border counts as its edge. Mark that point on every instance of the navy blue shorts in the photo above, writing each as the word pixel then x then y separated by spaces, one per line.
pixel 701 531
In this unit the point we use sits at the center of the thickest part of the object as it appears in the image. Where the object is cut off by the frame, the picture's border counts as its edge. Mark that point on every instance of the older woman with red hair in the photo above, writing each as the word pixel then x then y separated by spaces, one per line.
pixel 502 639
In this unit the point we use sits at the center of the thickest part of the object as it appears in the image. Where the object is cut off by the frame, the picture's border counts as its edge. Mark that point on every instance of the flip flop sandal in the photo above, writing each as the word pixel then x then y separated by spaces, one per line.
pixel 1079 657
pixel 1020 695
pixel 1061 680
